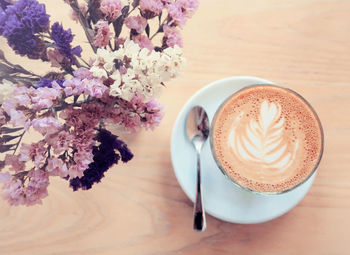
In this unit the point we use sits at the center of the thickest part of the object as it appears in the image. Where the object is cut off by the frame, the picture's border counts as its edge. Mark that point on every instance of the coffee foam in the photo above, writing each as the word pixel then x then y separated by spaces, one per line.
pixel 267 138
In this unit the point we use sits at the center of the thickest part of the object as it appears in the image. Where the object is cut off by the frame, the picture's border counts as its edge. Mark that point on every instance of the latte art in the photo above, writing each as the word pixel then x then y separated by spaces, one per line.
pixel 262 142
pixel 267 139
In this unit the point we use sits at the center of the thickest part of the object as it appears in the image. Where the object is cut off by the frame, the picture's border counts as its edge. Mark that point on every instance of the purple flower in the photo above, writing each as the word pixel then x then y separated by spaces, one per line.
pixel 62 40
pixel 104 157
pixel 31 14
pixel 4 4
pixel 20 23
pixel 45 82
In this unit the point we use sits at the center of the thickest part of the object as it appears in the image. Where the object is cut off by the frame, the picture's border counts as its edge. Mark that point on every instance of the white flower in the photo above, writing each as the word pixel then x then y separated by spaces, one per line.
pixel 98 72
pixel 103 63
pixel 131 49
pixel 6 90
pixel 117 78
pixel 146 70
pixel 115 91
pixel 129 89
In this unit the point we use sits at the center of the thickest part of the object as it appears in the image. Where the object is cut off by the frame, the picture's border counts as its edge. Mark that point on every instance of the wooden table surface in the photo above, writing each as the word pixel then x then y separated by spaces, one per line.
pixel 139 208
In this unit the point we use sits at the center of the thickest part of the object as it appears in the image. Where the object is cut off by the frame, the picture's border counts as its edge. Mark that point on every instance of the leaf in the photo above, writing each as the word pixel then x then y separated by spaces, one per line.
pixel 2 164
pixel 118 23
pixel 8 147
pixel 21 69
pixel 135 3
pixel 6 69
pixel 6 130
pixel 147 29
pixel 7 138
pixel 160 17
pixel 262 141
pixel 2 55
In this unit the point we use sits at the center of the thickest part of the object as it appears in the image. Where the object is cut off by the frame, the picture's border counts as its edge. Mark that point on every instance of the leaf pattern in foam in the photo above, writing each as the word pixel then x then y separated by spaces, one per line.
pixel 262 141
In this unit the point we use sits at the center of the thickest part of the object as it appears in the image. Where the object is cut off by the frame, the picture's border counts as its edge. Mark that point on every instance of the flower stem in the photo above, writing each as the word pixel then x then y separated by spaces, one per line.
pixel 159 28
pixel 19 141
pixel 84 23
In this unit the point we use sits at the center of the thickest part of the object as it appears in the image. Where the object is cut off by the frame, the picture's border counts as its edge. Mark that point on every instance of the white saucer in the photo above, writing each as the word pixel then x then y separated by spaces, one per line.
pixel 223 199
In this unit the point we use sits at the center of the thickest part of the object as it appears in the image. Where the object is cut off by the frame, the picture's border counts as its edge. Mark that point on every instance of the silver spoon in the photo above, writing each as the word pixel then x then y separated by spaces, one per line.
pixel 197 129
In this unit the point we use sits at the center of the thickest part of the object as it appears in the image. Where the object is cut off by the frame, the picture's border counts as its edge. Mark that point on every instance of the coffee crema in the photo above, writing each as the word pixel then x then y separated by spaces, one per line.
pixel 267 138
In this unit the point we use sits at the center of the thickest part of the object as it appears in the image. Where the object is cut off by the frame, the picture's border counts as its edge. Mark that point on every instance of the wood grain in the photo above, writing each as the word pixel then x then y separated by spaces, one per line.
pixel 139 208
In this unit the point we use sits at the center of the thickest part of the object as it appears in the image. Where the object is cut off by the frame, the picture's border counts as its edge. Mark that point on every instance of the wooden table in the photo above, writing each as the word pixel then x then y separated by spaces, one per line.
pixel 139 208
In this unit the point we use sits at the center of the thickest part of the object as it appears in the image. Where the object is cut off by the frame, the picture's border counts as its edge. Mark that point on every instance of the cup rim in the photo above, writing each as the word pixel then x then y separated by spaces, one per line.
pixel 222 168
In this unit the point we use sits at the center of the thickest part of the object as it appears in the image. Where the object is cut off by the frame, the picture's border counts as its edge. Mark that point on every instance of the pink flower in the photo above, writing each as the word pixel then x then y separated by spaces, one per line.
pixel 60 142
pixel 9 105
pixel 43 97
pixel 34 152
pixel 151 8
pixel 111 9
pixel 84 140
pixel 37 187
pixel 73 87
pixel 84 83
pixel 190 6
pixel 119 41
pixel 178 17
pixel 136 114
pixel 56 167
pixel 143 42
pixel 181 10
pixel 13 161
pixel 137 23
pixel 22 95
pixel 47 125
pixel 172 36
pixel 75 171
pixel 83 119
pixel 18 119
pixel 94 87
pixel 83 73
pixel 72 117
pixel 12 190
pixel 82 160
pixel 132 123
pixel 55 57
pixel 103 34
pixel 5 177
pixel 154 114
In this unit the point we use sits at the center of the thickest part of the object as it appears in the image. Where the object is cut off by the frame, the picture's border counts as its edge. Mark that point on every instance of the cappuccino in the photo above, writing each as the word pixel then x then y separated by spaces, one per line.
pixel 267 138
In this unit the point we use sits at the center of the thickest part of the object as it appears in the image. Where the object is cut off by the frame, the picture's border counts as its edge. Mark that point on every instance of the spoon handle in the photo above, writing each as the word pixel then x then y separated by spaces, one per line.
pixel 199 223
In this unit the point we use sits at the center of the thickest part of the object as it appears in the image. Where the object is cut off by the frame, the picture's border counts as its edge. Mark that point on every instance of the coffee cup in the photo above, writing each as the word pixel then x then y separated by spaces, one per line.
pixel 266 139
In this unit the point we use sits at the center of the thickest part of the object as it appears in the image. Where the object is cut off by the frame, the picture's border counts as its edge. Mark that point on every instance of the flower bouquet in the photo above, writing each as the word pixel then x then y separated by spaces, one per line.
pixel 136 49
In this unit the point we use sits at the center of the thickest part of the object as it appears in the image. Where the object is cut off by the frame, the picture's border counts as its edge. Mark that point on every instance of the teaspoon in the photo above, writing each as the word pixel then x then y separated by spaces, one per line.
pixel 197 130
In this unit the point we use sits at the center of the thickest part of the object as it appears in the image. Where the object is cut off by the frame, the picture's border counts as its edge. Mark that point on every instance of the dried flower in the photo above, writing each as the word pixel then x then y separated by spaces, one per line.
pixel 104 157
pixel 172 36
pixel 103 34
pixel 20 23
pixel 62 41
pixel 151 8
pixel 70 107
pixel 111 9
pixel 136 23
